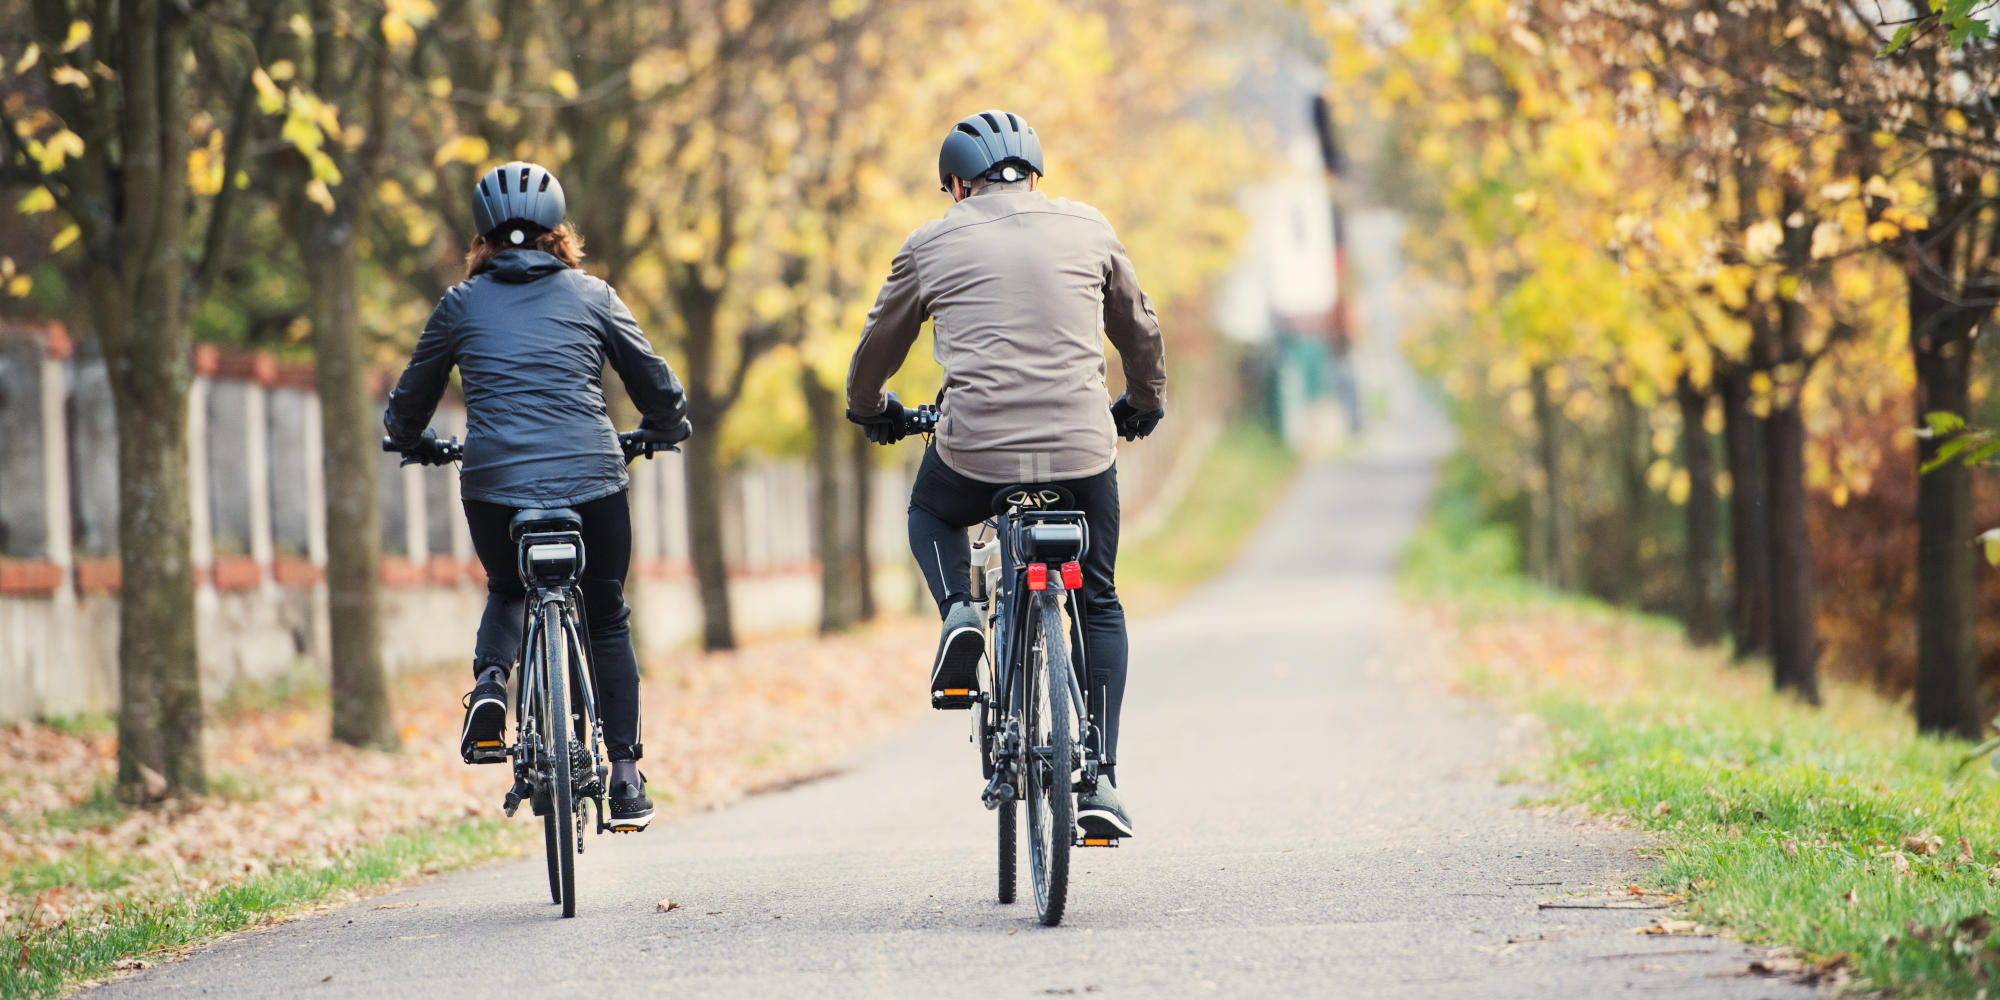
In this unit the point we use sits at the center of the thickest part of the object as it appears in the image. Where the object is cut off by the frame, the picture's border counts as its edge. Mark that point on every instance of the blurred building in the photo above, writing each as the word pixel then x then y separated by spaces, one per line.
pixel 1284 298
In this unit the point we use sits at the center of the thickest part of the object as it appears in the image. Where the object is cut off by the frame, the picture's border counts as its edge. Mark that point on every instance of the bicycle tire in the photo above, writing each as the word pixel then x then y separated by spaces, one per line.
pixel 1051 800
pixel 532 709
pixel 554 851
pixel 562 794
pixel 1009 850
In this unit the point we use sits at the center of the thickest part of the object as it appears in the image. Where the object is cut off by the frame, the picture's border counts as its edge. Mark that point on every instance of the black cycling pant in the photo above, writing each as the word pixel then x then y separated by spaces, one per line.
pixel 607 554
pixel 943 504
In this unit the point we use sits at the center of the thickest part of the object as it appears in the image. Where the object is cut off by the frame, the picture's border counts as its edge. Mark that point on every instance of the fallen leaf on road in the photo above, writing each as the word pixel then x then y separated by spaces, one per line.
pixel 131 963
pixel 397 906
pixel 666 906
pixel 1673 927
pixel 1662 809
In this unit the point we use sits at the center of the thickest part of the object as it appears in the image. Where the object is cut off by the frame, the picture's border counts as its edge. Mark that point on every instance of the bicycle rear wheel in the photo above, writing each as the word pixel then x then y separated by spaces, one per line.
pixel 555 742
pixel 1050 756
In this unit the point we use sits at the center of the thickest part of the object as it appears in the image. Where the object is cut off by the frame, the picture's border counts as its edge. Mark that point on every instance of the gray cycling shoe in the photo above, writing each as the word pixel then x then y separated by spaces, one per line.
pixel 1102 814
pixel 955 674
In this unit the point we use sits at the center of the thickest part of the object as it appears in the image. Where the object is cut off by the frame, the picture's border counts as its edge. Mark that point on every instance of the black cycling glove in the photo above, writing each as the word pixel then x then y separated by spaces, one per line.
pixel 643 442
pixel 1133 423
pixel 885 427
pixel 427 451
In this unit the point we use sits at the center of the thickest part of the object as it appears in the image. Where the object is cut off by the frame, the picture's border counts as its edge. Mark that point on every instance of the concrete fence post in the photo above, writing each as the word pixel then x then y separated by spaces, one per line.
pixel 415 515
pixel 644 495
pixel 201 529
pixel 312 446
pixel 257 473
pixel 55 465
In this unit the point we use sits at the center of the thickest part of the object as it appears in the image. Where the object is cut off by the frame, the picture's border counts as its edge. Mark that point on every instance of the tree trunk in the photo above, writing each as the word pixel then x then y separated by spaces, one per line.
pixel 1947 649
pixel 705 483
pixel 349 430
pixel 1699 609
pixel 860 538
pixel 1794 638
pixel 823 413
pixel 1633 446
pixel 137 276
pixel 1749 518
pixel 1550 543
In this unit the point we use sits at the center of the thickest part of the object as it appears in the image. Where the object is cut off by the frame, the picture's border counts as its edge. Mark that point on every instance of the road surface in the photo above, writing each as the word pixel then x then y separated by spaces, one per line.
pixel 1309 826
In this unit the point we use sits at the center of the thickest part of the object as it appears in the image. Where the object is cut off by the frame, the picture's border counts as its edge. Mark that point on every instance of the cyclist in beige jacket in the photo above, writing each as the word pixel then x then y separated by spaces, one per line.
pixel 1021 289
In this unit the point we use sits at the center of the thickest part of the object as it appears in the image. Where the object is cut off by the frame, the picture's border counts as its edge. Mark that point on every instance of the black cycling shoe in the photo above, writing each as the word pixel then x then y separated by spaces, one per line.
pixel 483 740
pixel 1101 813
pixel 631 810
pixel 955 675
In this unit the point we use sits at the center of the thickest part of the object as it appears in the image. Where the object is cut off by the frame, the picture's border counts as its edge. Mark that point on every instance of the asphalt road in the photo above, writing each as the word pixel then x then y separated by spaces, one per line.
pixel 1309 826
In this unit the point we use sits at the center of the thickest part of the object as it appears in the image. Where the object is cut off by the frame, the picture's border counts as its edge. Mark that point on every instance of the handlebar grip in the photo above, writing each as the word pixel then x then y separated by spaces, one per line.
pixel 389 445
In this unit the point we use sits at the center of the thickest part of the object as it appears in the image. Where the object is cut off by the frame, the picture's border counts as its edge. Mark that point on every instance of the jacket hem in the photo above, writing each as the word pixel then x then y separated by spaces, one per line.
pixel 524 502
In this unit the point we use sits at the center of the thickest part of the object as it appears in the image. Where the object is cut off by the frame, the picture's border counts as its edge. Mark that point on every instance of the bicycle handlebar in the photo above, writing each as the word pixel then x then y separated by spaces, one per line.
pixel 438 452
pixel 922 420
pixel 635 445
pixel 435 451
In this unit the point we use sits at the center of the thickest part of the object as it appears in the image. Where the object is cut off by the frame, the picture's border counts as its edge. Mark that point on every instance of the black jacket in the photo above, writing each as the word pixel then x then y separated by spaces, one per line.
pixel 530 337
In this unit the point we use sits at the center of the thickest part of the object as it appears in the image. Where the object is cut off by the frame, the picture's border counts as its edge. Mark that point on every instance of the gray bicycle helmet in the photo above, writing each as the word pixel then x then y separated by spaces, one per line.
pixel 518 192
pixel 985 144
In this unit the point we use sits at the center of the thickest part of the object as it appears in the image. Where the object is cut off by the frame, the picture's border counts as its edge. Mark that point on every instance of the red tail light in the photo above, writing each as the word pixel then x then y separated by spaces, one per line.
pixel 1038 576
pixel 1072 576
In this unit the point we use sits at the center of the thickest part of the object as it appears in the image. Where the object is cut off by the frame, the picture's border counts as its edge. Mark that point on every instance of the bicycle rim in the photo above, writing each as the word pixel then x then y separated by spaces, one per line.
pixel 1051 806
pixel 562 795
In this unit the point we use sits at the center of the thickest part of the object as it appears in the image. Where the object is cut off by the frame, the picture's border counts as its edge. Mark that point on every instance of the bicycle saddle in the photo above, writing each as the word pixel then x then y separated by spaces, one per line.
pixel 1032 496
pixel 538 519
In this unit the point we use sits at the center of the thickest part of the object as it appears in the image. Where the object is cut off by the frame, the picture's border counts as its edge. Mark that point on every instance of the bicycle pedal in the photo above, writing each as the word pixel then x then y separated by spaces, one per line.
pixel 949 699
pixel 487 752
pixel 1099 841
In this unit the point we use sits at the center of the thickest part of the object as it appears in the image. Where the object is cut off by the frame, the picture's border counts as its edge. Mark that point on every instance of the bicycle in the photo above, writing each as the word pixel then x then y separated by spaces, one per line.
pixel 1032 687
pixel 556 776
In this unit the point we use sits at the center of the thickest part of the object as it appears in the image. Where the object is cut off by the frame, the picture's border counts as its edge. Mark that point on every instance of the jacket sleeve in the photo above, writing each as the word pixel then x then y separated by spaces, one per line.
pixel 415 397
pixel 892 327
pixel 648 379
pixel 1133 328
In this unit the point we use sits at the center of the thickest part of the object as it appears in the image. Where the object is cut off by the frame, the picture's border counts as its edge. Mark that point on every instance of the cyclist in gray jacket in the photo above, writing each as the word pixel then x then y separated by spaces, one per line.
pixel 530 334
pixel 1020 289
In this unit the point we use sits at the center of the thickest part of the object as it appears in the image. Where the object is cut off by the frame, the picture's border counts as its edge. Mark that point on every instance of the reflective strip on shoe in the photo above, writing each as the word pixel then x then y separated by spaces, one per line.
pixel 955 675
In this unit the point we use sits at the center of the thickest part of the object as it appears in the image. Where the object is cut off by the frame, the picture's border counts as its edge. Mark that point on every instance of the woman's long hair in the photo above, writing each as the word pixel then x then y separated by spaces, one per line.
pixel 563 243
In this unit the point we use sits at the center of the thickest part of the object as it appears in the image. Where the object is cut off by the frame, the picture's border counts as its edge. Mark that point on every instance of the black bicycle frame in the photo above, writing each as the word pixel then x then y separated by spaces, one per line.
pixel 1010 640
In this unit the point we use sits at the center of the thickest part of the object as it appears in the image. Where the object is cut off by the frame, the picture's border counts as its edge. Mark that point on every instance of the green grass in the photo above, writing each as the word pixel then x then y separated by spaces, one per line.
pixel 1836 830
pixel 46 962
pixel 1244 472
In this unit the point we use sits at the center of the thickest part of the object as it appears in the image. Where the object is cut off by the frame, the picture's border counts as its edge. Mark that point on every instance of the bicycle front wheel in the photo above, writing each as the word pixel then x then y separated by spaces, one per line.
pixel 1050 757
pixel 555 742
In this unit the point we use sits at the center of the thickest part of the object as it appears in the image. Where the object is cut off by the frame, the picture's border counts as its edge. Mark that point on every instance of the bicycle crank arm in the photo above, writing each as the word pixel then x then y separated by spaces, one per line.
pixel 514 797
pixel 996 792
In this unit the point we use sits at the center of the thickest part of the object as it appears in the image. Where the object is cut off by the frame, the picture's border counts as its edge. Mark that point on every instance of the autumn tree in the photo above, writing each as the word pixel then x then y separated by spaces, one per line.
pixel 100 111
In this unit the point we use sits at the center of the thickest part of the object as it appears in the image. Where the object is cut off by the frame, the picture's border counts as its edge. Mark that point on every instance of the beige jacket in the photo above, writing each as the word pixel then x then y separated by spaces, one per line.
pixel 1020 288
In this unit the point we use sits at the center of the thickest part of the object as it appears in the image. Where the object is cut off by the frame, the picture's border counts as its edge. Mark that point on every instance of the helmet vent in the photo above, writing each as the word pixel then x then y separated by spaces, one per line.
pixel 990 120
pixel 1016 122
pixel 545 184
pixel 524 179
pixel 502 175
pixel 482 188
pixel 967 129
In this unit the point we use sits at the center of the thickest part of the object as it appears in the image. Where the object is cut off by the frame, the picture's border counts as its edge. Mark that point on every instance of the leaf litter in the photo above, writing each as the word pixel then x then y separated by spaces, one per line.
pixel 283 796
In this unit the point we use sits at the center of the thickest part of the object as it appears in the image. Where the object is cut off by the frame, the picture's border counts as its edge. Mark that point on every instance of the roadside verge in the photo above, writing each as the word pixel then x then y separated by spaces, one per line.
pixel 1835 831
